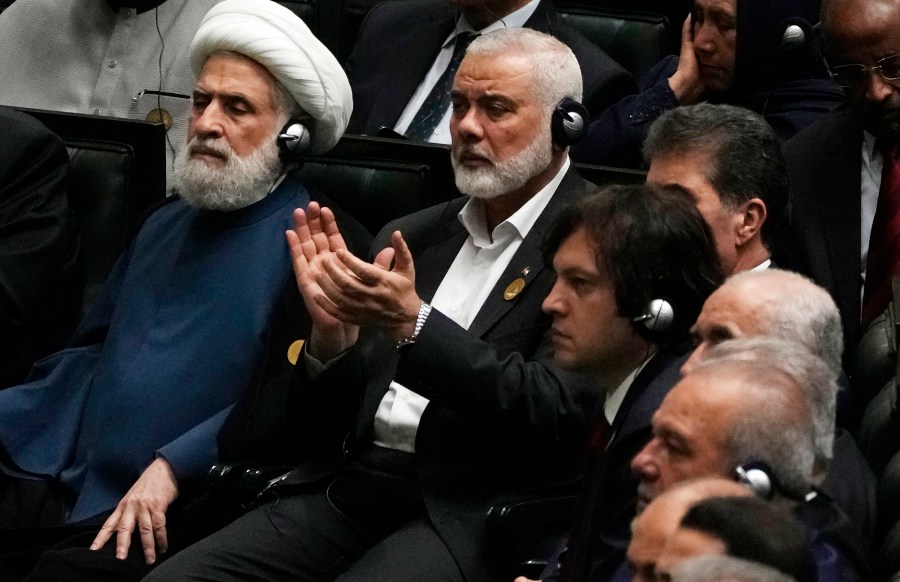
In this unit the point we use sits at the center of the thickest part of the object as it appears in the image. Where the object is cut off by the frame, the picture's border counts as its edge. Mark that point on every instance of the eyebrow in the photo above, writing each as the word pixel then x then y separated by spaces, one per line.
pixel 230 97
pixel 499 98
pixel 720 333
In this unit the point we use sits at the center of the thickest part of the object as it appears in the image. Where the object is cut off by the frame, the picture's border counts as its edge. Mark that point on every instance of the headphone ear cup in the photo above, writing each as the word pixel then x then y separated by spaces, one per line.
pixel 758 477
pixel 293 140
pixel 569 122
pixel 658 316
pixel 797 36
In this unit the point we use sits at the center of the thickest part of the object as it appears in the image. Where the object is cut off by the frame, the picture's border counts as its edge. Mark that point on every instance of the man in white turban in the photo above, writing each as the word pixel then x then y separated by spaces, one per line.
pixel 111 429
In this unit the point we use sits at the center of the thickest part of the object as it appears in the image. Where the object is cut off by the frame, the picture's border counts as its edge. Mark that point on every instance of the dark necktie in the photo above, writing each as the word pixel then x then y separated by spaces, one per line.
pixel 432 110
pixel 578 550
pixel 884 243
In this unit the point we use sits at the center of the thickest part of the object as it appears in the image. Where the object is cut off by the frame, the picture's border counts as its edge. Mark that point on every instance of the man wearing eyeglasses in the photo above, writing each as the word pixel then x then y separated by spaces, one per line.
pixel 845 170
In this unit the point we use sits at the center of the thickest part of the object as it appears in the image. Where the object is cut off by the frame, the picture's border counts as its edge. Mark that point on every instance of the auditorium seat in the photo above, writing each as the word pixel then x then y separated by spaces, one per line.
pixel 877 366
pixel 325 18
pixel 637 40
pixel 116 172
pixel 674 12
pixel 376 180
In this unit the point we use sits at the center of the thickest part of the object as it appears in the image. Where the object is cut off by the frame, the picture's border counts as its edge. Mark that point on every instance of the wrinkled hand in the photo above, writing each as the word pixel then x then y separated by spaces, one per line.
pixel 686 82
pixel 144 507
pixel 372 294
pixel 316 236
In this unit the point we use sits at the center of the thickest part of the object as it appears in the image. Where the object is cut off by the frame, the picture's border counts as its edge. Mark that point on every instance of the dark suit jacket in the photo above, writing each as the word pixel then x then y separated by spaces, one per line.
pixel 823 243
pixel 613 501
pixel 40 290
pixel 399 41
pixel 502 417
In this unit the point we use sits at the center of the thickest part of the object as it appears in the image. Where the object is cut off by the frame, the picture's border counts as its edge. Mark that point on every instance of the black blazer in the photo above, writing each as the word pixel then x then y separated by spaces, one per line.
pixel 503 420
pixel 41 299
pixel 823 241
pixel 399 40
pixel 613 504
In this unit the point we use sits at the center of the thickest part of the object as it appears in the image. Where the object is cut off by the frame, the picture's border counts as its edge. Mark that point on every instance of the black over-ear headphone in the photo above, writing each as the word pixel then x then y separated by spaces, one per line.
pixel 293 140
pixel 657 316
pixel 758 477
pixel 569 122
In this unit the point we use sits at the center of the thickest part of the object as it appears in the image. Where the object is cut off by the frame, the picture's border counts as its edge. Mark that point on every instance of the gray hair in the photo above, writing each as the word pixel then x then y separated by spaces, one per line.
pixel 804 313
pixel 726 569
pixel 746 160
pixel 557 73
pixel 776 425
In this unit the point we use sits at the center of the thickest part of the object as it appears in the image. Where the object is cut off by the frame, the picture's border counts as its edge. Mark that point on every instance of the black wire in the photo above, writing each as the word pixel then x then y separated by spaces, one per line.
pixel 159 110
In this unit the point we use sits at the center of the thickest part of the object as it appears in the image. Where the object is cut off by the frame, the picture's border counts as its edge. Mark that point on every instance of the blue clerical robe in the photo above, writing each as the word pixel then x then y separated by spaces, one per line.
pixel 153 370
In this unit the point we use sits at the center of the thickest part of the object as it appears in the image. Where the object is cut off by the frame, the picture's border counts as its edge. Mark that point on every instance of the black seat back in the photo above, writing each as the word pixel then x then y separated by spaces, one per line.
pixel 116 171
pixel 636 40
pixel 376 180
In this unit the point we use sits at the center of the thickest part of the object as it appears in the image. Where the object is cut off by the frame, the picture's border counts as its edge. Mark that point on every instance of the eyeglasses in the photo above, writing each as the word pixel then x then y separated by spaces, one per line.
pixel 853 76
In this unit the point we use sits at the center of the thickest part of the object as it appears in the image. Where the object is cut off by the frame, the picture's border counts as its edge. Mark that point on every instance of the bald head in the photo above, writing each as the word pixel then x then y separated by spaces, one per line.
pixel 862 32
pixel 660 519
pixel 724 414
pixel 771 303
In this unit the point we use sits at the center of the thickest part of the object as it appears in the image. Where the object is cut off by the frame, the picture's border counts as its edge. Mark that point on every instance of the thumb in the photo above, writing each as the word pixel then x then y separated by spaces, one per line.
pixel 403 261
pixel 383 259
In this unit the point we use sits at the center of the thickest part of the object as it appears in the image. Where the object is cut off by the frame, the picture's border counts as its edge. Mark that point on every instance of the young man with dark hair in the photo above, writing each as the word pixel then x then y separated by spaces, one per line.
pixel 633 265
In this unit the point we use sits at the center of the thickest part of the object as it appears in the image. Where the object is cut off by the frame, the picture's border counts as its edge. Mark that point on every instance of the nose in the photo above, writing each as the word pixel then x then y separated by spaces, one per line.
pixel 695 358
pixel 206 123
pixel 552 304
pixel 703 38
pixel 642 465
pixel 467 126
pixel 877 88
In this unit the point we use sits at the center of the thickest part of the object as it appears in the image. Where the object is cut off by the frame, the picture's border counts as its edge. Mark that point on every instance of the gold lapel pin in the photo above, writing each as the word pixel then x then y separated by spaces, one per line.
pixel 513 289
pixel 293 352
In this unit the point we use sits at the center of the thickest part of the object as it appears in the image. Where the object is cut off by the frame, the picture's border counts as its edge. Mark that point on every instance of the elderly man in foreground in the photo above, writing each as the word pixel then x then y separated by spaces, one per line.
pixel 118 425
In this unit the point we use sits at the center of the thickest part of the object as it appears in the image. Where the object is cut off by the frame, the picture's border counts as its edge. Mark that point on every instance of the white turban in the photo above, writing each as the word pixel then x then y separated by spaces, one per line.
pixel 276 38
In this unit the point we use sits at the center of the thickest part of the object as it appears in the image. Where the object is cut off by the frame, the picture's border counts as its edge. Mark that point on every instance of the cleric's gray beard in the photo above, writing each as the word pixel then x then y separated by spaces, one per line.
pixel 505 176
pixel 240 183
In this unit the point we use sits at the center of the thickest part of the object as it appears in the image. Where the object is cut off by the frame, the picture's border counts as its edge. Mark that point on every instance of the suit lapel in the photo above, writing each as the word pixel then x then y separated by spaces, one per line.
pixel 540 19
pixel 425 41
pixel 839 186
pixel 529 255
pixel 435 261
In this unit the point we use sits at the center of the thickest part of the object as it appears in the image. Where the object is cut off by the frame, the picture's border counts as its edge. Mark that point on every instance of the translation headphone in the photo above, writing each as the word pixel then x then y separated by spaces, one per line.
pixel 796 36
pixel 293 140
pixel 758 477
pixel 657 316
pixel 569 122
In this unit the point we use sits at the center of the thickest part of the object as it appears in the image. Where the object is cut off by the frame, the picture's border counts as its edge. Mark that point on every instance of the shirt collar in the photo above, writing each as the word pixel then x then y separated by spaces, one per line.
pixel 869 151
pixel 515 19
pixel 472 214
pixel 615 398
pixel 763 265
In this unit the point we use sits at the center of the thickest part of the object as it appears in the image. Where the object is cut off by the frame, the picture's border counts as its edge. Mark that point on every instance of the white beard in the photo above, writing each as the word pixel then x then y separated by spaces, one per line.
pixel 239 183
pixel 505 176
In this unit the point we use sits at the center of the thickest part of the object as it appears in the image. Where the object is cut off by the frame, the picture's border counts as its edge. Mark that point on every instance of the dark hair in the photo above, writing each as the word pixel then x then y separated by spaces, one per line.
pixel 746 160
pixel 755 530
pixel 654 243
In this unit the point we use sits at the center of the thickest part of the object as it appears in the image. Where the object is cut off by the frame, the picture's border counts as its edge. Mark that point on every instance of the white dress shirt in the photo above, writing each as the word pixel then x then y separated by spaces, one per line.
pixel 870 183
pixel 441 133
pixel 615 398
pixel 474 273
